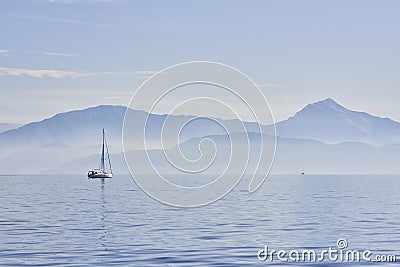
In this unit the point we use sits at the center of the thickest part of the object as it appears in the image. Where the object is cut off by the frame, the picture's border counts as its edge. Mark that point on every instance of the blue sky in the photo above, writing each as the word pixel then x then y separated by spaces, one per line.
pixel 61 55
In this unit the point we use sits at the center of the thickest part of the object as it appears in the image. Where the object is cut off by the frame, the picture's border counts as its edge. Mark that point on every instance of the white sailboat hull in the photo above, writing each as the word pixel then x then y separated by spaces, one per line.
pixel 100 175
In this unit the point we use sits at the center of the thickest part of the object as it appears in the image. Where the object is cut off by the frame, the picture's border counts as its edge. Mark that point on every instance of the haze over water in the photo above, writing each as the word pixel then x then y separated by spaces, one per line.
pixel 71 221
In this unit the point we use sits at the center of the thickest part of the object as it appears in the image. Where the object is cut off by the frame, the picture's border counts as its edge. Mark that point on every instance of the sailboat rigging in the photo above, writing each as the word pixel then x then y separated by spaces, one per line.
pixel 101 171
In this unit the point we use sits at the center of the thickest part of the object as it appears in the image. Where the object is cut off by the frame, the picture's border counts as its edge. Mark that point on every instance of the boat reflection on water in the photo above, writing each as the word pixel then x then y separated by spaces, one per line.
pixel 103 234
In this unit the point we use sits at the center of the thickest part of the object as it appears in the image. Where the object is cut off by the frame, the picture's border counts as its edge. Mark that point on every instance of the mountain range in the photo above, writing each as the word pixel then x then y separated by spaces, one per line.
pixel 329 122
pixel 323 137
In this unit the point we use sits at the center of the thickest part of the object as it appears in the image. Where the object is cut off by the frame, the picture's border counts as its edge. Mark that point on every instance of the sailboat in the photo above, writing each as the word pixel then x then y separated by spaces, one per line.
pixel 101 171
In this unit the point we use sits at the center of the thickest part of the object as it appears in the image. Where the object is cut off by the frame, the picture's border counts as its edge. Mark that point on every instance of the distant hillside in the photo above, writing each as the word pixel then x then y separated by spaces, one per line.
pixel 74 128
pixel 329 122
pixel 8 126
pixel 83 128
pixel 322 137
pixel 292 156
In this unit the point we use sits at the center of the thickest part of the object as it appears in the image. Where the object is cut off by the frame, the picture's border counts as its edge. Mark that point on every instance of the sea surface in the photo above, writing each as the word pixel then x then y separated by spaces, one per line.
pixel 73 221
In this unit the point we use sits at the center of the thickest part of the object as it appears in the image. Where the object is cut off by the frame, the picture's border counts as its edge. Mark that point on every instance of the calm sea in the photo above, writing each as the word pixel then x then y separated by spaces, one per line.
pixel 73 221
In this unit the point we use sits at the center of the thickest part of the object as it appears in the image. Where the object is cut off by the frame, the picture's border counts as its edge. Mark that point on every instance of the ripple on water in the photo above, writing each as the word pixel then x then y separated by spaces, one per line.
pixel 73 221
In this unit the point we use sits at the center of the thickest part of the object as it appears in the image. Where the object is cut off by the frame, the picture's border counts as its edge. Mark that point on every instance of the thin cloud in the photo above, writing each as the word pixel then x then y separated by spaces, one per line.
pixel 264 85
pixel 62 20
pixel 63 1
pixel 4 52
pixel 56 74
pixel 144 73
pixel 118 97
pixel 57 54
pixel 59 74
pixel 87 1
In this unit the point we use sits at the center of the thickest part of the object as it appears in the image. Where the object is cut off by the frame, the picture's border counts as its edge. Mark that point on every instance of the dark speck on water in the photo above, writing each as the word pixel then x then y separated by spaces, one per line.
pixel 73 221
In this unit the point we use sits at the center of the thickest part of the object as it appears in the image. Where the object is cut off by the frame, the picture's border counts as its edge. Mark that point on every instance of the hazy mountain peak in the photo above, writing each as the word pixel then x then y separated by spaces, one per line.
pixel 324 107
pixel 330 122
pixel 329 103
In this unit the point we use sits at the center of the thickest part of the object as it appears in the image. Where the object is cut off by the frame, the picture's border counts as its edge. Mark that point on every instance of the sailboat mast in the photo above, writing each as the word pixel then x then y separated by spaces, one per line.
pixel 102 155
pixel 108 156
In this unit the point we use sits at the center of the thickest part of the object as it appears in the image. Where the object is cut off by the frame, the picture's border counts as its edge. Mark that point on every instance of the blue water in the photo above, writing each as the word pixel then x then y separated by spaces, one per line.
pixel 73 221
